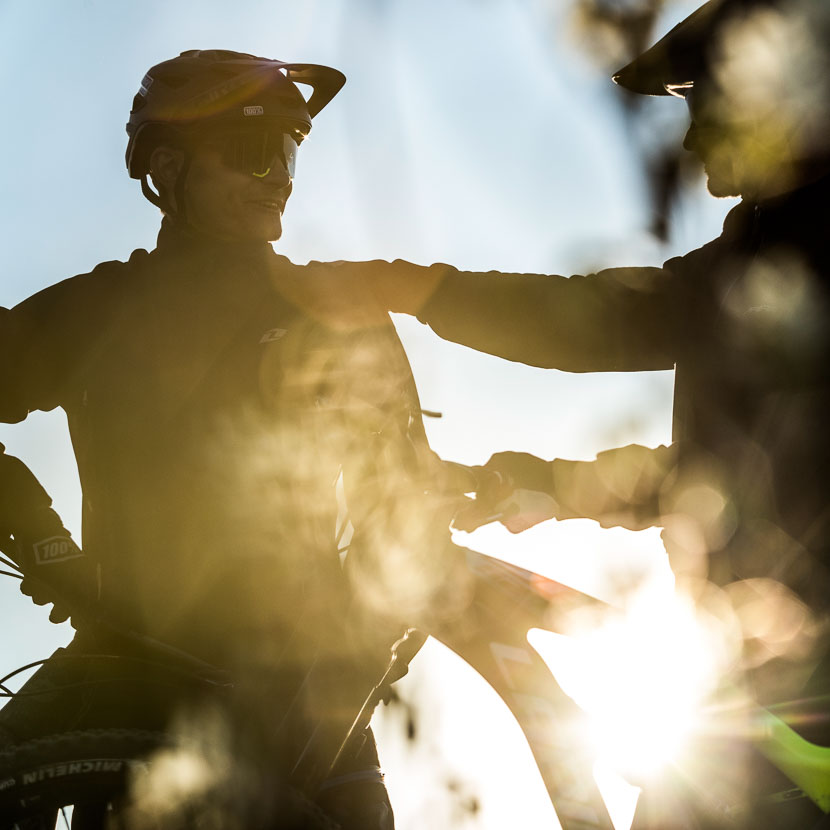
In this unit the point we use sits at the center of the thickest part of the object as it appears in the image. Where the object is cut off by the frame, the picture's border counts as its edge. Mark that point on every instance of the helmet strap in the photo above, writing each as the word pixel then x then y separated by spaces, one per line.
pixel 151 194
pixel 179 215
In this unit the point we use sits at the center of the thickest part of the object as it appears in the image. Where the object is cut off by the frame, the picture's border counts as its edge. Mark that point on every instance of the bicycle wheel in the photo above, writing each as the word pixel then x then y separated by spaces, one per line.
pixel 42 776
pixel 99 771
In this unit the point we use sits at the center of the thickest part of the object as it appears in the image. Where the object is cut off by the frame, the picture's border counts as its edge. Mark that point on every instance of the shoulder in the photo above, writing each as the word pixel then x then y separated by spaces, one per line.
pixel 344 296
pixel 76 301
pixel 736 226
pixel 102 278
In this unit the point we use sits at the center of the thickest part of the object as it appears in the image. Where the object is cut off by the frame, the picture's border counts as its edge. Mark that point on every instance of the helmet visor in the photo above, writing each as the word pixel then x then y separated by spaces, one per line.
pixel 257 152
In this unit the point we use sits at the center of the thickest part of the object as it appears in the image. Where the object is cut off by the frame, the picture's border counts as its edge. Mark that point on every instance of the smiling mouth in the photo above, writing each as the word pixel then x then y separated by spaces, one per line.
pixel 271 205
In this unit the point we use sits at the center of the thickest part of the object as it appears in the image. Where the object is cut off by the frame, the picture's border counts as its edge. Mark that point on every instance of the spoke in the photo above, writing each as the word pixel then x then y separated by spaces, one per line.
pixel 9 563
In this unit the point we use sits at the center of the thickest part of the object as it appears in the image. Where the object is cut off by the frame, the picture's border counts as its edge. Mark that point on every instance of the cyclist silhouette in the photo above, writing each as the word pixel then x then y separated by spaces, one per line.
pixel 212 411
pixel 744 322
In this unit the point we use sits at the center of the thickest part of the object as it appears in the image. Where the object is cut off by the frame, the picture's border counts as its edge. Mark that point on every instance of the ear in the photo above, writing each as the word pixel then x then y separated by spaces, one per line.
pixel 165 165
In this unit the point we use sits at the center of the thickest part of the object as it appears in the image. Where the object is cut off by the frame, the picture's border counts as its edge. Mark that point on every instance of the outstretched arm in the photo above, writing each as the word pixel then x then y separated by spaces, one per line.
pixel 622 487
pixel 620 319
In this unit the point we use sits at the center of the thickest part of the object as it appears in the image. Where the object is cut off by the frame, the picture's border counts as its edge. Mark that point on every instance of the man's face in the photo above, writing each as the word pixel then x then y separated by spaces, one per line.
pixel 727 148
pixel 235 204
pixel 746 151
pixel 760 113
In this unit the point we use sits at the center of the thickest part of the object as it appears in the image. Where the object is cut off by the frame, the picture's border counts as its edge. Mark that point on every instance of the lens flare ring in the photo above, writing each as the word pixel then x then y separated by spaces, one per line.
pixel 641 676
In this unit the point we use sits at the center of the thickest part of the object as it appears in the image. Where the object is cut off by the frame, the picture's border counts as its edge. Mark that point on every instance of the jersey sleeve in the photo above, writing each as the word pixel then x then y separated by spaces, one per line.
pixel 44 339
pixel 619 319
pixel 28 372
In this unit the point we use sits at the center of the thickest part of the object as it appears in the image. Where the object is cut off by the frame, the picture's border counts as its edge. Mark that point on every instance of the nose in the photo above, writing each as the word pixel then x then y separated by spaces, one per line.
pixel 276 174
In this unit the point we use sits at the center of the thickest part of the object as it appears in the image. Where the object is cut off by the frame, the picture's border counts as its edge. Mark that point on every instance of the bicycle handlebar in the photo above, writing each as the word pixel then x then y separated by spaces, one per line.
pixel 488 488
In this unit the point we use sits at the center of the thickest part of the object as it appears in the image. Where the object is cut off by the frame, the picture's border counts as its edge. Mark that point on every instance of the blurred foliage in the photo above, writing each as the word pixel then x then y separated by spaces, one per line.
pixel 612 33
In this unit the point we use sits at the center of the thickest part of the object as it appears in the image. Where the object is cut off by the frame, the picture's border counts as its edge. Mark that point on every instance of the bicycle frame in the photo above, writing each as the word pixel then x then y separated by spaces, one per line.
pixel 491 636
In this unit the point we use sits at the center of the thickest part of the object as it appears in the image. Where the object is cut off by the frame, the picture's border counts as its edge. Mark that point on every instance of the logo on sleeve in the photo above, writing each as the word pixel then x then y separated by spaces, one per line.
pixel 273 334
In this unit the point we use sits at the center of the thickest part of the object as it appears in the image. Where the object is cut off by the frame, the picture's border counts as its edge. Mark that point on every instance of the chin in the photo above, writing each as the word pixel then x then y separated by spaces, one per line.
pixel 267 232
pixel 720 183
pixel 722 190
pixel 272 229
pixel 723 175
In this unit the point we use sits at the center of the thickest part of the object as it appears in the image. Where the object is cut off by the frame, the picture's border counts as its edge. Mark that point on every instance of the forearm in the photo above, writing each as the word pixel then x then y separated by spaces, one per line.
pixel 32 534
pixel 622 486
pixel 616 320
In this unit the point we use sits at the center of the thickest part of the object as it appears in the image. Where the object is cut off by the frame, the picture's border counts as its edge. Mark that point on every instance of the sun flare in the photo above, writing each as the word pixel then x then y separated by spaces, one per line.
pixel 641 675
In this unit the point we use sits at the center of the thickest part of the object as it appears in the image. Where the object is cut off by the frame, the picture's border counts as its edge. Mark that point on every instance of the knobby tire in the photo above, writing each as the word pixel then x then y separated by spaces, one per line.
pixel 93 766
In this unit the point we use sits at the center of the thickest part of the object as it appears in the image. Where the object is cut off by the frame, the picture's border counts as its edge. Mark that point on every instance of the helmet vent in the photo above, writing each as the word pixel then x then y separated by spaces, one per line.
pixel 138 102
pixel 172 80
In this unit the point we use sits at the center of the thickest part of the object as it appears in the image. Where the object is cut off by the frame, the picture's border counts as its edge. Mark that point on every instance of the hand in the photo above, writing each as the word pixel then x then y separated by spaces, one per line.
pixel 522 470
pixel 528 508
pixel 55 570
pixel 42 595
pixel 498 498
pixel 30 586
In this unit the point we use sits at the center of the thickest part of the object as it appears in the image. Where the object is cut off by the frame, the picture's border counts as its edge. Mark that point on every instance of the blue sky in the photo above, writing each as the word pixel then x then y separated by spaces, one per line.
pixel 472 132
